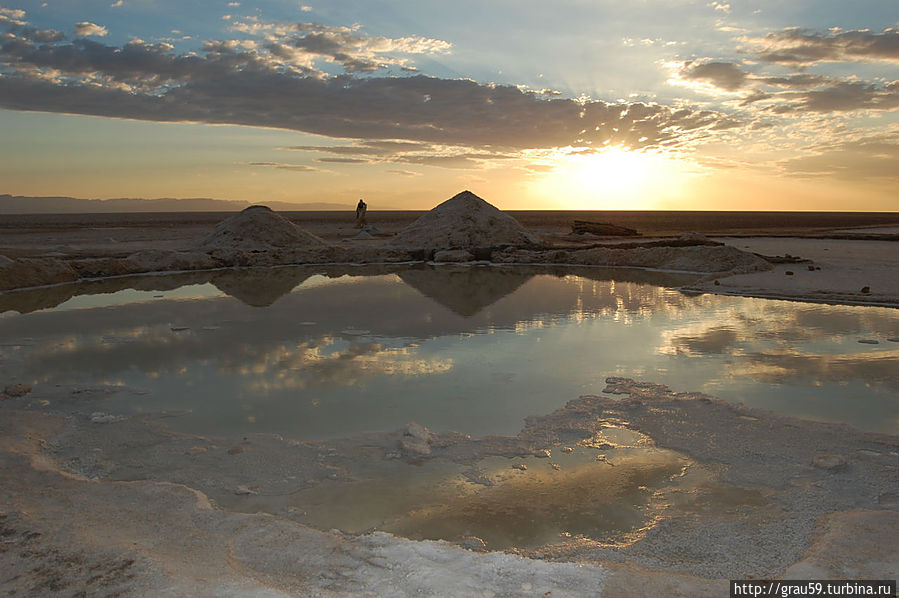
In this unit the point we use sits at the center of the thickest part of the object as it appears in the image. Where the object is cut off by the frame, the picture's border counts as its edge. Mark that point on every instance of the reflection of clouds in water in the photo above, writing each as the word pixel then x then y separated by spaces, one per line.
pixel 731 325
pixel 714 340
pixel 308 365
pixel 250 351
pixel 776 342
pixel 838 320
pixel 880 369
pixel 554 300
pixel 152 350
pixel 276 347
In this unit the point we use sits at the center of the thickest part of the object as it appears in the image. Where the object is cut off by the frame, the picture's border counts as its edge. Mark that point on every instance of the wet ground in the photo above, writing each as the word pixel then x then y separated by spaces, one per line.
pixel 174 444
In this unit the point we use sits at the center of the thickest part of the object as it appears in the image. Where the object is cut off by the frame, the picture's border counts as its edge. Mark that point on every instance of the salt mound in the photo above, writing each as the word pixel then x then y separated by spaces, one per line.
pixel 258 228
pixel 462 222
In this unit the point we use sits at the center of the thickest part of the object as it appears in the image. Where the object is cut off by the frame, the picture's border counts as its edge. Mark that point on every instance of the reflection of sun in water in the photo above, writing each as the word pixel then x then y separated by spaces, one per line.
pixel 613 178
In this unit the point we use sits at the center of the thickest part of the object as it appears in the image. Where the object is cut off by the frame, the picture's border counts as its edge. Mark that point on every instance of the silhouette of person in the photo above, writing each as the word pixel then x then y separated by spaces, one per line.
pixel 361 208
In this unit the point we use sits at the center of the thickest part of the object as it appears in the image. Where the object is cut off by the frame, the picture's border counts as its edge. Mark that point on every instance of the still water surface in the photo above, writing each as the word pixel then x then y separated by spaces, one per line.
pixel 312 353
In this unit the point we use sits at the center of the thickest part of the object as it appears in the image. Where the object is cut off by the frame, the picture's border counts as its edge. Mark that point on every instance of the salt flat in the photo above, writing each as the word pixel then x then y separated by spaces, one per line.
pixel 93 502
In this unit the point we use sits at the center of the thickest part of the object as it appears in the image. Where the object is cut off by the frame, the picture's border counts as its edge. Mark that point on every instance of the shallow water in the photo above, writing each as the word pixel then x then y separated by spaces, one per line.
pixel 574 495
pixel 313 353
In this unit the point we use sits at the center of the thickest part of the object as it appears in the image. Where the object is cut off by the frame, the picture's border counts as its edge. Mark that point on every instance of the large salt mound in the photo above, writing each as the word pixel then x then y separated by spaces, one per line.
pixel 464 221
pixel 257 228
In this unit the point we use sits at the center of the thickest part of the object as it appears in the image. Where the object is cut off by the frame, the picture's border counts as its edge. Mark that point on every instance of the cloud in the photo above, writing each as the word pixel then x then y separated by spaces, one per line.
pixel 799 47
pixel 802 92
pixel 846 96
pixel 282 166
pixel 723 75
pixel 404 152
pixel 365 148
pixel 872 157
pixel 12 21
pixel 796 81
pixel 414 119
pixel 305 43
pixel 12 14
pixel 344 160
pixel 842 96
pixel 117 4
pixel 86 28
pixel 235 86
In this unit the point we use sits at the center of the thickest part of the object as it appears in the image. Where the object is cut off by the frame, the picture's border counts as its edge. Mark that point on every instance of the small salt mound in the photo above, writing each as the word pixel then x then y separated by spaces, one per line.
pixel 257 228
pixel 462 222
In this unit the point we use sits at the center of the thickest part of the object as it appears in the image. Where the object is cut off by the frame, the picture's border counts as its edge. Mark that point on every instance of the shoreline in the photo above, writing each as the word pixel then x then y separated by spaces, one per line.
pixel 102 247
pixel 853 299
pixel 718 283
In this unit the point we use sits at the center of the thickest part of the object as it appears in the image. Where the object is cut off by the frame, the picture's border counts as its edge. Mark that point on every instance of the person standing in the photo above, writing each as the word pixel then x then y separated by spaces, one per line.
pixel 361 208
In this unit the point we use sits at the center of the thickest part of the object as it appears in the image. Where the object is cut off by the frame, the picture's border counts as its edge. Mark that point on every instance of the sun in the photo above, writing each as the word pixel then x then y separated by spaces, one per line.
pixel 613 178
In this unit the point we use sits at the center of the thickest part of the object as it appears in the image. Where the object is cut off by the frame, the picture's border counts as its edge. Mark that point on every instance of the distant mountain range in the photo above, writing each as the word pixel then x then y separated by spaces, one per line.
pixel 17 204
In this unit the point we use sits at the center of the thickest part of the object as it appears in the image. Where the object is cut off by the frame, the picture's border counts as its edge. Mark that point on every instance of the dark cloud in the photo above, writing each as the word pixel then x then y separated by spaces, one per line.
pixel 801 47
pixel 242 84
pixel 726 124
pixel 755 96
pixel 798 93
pixel 723 75
pixel 844 96
pixel 365 148
pixel 797 81
pixel 803 92
pixel 398 152
pixel 228 86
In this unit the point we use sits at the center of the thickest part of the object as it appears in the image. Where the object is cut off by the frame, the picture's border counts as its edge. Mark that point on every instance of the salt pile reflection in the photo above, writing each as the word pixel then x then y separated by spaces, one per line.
pixel 325 352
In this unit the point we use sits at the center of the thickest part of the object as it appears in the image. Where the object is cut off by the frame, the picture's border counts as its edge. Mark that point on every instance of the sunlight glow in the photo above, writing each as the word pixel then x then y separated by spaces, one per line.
pixel 614 178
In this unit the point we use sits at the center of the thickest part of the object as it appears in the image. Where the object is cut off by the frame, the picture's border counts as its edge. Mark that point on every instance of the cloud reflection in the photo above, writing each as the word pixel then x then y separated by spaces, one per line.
pixel 296 340
pixel 806 342
pixel 338 340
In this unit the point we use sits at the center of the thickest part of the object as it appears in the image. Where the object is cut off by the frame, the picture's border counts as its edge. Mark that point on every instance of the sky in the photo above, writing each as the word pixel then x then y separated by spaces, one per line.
pixel 563 104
